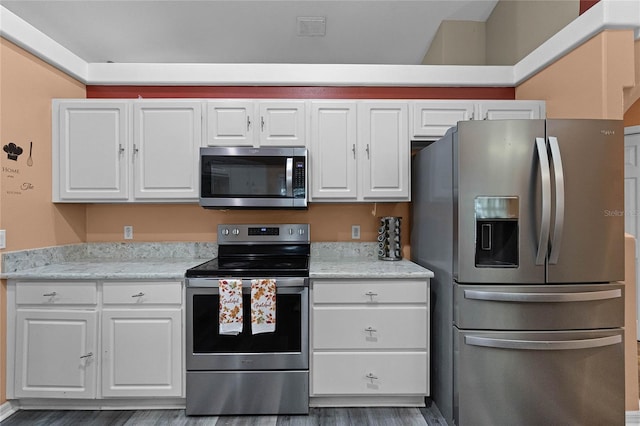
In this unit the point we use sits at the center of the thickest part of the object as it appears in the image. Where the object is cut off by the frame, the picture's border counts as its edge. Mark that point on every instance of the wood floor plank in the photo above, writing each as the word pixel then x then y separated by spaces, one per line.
pixel 382 416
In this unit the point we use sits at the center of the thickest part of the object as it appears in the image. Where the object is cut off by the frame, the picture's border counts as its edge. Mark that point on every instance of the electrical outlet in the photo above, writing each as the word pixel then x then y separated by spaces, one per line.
pixel 128 232
pixel 355 232
pixel 3 239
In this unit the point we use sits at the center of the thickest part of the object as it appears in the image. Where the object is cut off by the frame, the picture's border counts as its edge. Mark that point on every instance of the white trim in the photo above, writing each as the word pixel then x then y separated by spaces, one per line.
pixel 102 404
pixel 7 409
pixel 607 14
pixel 631 130
pixel 17 31
pixel 632 418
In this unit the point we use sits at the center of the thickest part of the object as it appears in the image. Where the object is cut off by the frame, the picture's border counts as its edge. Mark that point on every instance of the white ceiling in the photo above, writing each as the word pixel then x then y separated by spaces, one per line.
pixel 239 31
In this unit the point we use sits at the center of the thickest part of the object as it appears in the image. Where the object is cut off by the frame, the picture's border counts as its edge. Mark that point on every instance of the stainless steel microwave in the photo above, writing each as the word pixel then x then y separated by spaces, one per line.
pixel 234 177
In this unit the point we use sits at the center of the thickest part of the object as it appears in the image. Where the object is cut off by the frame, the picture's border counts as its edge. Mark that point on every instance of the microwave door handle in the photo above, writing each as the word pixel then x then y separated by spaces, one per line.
pixel 289 177
pixel 558 226
pixel 545 222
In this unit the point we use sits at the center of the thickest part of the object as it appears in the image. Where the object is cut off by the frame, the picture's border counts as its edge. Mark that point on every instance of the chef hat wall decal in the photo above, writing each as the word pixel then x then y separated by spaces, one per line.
pixel 12 150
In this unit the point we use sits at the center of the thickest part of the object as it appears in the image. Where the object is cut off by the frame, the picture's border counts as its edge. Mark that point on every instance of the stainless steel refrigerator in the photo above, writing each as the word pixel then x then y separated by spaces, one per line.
pixel 522 223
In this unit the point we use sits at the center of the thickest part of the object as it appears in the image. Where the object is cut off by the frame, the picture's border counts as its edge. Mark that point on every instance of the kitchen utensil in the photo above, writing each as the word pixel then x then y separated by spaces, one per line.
pixel 30 160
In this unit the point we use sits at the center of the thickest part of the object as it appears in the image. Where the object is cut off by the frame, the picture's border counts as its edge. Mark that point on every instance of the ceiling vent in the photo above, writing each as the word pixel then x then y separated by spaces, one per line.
pixel 311 26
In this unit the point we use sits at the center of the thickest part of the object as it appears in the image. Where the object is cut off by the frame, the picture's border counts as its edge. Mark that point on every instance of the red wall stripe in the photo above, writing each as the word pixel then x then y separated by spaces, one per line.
pixel 586 5
pixel 300 92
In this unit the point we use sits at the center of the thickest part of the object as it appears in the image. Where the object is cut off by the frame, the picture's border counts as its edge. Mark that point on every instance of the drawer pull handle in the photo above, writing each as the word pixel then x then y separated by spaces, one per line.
pixel 138 295
pixel 370 330
pixel 90 354
pixel 52 294
pixel 371 377
pixel 371 294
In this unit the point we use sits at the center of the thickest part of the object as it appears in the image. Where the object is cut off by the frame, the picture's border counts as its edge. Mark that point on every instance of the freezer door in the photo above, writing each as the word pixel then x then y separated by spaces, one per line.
pixel 497 175
pixel 538 307
pixel 535 378
pixel 587 233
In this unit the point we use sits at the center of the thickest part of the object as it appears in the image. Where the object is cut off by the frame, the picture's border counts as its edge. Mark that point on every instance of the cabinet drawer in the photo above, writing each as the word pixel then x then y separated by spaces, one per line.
pixel 135 293
pixel 361 373
pixel 56 293
pixel 370 292
pixel 370 327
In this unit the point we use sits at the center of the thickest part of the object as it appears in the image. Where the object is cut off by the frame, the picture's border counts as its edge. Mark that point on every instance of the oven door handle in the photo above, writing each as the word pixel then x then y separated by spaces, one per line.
pixel 281 283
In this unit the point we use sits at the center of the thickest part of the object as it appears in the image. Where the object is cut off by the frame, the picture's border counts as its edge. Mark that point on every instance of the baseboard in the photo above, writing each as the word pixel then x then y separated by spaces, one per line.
pixel 632 418
pixel 7 409
pixel 100 404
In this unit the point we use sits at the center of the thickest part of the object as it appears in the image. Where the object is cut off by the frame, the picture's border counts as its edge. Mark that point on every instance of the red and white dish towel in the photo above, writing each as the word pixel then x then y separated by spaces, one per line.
pixel 263 306
pixel 230 312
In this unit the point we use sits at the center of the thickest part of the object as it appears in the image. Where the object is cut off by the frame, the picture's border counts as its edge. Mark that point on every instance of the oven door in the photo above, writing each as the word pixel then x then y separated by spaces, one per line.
pixel 286 348
pixel 253 177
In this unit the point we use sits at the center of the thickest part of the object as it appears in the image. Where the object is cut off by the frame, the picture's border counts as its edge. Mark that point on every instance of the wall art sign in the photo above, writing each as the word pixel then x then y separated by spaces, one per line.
pixel 13 151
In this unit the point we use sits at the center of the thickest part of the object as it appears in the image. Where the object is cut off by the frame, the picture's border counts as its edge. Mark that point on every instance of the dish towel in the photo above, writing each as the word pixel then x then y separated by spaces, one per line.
pixel 263 306
pixel 230 316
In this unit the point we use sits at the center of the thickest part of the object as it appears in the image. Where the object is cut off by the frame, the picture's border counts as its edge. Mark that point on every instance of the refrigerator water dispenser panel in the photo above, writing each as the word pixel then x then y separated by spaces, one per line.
pixel 496 232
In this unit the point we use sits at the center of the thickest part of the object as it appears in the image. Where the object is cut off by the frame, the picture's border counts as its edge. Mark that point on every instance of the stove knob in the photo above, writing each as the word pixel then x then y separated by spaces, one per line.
pixel 224 231
pixel 290 231
pixel 235 231
pixel 301 231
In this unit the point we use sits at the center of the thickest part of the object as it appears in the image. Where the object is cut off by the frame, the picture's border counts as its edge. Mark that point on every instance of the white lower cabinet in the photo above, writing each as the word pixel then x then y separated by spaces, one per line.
pixel 56 353
pixel 141 353
pixel 370 338
pixel 87 340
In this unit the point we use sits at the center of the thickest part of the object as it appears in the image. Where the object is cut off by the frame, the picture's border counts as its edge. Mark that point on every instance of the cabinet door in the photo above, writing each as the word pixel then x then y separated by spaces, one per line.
pixel 506 110
pixel 384 151
pixel 167 137
pixel 333 151
pixel 282 123
pixel 90 148
pixel 230 123
pixel 55 353
pixel 141 352
pixel 432 119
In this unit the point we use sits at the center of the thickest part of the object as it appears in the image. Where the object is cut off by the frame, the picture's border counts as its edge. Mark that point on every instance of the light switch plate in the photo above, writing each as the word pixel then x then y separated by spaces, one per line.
pixel 355 232
pixel 3 239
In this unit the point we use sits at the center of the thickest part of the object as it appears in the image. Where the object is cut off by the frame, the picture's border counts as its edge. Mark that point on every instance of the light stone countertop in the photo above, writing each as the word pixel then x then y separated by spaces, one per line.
pixel 106 262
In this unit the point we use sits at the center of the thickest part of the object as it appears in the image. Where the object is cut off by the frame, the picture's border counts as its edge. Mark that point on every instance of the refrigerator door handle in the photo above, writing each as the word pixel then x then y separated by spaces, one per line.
pixel 543 345
pixel 495 296
pixel 558 225
pixel 545 222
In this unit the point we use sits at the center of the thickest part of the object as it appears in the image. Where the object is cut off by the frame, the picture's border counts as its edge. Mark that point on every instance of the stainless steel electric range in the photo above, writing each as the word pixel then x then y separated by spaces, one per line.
pixel 265 373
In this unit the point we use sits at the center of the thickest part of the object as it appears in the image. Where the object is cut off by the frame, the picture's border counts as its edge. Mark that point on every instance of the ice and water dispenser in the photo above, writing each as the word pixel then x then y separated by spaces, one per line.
pixel 496 232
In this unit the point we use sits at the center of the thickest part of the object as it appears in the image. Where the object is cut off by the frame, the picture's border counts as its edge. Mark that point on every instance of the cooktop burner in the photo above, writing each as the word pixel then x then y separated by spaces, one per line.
pixel 258 251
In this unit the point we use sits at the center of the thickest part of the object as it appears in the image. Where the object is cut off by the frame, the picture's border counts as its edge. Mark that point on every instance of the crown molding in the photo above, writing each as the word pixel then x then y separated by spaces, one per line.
pixel 607 14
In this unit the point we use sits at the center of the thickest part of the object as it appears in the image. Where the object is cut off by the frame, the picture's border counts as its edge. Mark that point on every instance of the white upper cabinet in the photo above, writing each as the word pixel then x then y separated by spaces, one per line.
pixel 166 143
pixel 431 119
pixel 507 110
pixel 384 145
pixel 359 151
pixel 121 151
pixel 90 140
pixel 333 150
pixel 233 122
pixel 230 123
pixel 434 118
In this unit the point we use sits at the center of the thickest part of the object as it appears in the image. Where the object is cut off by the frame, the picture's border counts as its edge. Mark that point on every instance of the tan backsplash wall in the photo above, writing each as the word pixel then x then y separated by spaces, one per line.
pixel 27 86
pixel 167 222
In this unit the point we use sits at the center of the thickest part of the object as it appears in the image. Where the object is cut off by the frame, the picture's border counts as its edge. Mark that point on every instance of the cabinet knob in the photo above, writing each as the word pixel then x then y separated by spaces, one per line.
pixel 371 377
pixel 52 294
pixel 248 122
pixel 90 354
pixel 367 149
pixel 121 148
pixel 353 149
pixel 370 330
pixel 138 295
pixel 262 124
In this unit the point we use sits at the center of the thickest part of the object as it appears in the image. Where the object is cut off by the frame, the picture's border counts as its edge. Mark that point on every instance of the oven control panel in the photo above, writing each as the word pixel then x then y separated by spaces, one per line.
pixel 297 232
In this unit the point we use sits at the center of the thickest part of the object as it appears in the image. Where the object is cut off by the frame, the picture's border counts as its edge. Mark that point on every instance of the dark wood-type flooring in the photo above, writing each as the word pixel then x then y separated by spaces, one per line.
pixel 317 416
